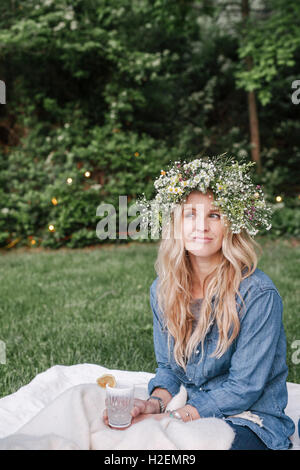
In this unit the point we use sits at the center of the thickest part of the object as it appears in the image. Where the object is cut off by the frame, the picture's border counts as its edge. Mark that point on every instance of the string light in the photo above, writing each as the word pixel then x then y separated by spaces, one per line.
pixel 136 154
pixel 69 180
pixel 87 174
pixel 54 201
pixel 33 242
pixel 13 243
pixel 51 228
pixel 278 198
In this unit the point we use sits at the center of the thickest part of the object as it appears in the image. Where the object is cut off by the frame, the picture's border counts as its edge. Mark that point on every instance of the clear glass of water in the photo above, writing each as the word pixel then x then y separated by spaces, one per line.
pixel 119 403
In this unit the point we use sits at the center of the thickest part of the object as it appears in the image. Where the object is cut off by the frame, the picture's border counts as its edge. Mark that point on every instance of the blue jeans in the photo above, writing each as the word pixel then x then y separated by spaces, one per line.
pixel 246 439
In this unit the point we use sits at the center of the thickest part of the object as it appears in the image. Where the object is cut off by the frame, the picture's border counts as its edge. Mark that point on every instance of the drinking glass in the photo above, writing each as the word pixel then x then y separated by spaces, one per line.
pixel 119 403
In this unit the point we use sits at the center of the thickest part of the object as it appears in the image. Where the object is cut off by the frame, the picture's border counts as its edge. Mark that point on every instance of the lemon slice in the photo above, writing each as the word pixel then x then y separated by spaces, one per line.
pixel 106 379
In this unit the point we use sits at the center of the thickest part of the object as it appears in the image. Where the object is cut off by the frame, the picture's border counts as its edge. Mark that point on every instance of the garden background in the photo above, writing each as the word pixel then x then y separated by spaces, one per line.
pixel 100 96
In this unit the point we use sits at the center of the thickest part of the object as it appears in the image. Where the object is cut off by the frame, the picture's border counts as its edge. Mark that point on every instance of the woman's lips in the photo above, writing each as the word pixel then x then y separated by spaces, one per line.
pixel 203 240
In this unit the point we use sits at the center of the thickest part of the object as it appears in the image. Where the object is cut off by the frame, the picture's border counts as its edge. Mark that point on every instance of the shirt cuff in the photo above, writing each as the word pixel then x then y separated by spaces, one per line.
pixel 205 405
pixel 165 378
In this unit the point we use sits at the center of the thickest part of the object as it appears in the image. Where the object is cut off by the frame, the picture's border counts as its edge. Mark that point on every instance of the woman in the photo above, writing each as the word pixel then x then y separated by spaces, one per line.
pixel 217 318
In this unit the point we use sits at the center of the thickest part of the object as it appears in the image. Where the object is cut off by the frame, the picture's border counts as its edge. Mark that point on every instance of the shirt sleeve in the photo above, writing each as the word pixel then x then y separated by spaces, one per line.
pixel 251 361
pixel 165 377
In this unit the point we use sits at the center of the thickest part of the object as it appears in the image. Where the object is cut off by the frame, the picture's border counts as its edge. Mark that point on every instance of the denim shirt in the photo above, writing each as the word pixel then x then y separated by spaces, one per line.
pixel 249 377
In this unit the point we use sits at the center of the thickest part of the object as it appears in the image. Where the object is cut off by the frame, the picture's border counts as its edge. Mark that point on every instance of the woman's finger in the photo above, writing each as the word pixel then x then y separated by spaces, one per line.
pixel 144 406
pixel 139 407
pixel 136 410
pixel 105 417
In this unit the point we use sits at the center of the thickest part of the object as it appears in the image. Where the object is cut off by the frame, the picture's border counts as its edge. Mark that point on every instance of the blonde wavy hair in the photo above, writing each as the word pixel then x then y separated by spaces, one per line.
pixel 174 293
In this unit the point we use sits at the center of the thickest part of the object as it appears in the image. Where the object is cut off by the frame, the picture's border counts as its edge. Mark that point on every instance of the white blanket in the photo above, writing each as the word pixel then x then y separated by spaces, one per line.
pixel 62 407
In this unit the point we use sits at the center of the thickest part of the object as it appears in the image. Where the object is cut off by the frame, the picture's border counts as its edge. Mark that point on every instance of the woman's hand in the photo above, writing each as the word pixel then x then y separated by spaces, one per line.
pixel 142 409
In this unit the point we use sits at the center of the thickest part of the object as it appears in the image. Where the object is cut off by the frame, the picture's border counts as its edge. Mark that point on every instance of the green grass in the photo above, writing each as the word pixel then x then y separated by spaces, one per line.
pixel 92 306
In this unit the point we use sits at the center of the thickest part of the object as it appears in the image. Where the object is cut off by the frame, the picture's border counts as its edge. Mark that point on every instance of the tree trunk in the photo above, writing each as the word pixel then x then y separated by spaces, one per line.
pixel 252 110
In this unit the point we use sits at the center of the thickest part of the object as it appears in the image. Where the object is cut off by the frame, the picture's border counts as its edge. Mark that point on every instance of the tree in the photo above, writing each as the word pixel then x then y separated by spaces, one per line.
pixel 268 45
pixel 252 109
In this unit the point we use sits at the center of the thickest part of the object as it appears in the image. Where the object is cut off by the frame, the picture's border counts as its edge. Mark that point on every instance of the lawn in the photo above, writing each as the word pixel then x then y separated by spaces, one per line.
pixel 92 306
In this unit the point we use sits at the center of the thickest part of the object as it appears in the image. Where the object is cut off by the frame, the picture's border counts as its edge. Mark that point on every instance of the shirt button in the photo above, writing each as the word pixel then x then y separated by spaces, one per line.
pixel 197 352
pixel 200 389
pixel 190 379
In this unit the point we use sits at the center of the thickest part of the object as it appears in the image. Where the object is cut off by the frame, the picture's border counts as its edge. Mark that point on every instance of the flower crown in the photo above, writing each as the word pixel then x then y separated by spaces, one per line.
pixel 235 194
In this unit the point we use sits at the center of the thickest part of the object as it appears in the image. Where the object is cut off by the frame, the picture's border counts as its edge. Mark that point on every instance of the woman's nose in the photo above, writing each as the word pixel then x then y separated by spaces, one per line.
pixel 201 223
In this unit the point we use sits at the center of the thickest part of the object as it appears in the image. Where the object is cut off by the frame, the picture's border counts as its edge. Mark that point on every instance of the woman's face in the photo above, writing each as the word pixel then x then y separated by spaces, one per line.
pixel 202 227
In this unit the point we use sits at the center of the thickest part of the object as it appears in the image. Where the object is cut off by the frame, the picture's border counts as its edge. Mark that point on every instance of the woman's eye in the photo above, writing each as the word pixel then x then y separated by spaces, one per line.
pixel 190 214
